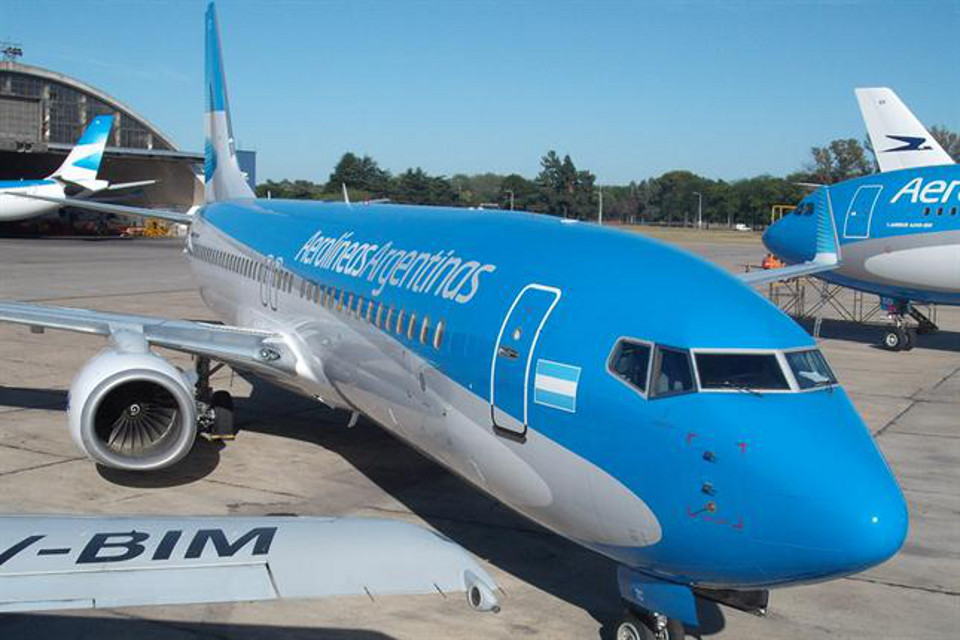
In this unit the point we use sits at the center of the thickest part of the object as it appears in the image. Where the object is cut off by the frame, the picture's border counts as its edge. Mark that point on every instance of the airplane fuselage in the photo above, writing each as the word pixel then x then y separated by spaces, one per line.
pixel 899 234
pixel 14 208
pixel 486 341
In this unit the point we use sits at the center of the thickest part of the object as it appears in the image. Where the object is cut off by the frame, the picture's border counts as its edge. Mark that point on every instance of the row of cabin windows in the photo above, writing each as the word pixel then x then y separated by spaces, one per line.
pixel 376 313
pixel 379 314
pixel 953 211
pixel 246 267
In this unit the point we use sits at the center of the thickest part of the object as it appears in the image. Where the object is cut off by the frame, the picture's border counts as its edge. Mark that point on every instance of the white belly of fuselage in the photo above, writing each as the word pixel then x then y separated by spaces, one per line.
pixel 13 207
pixel 935 267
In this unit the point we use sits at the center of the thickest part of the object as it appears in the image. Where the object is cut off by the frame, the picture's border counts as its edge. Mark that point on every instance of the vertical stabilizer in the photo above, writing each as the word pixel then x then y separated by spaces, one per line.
pixel 223 179
pixel 83 163
pixel 899 140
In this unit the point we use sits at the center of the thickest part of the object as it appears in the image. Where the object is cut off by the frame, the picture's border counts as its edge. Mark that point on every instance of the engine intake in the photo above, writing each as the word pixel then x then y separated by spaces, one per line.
pixel 132 411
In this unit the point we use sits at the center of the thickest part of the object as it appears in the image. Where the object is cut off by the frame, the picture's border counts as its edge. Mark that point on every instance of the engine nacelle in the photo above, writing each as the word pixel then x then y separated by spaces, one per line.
pixel 131 409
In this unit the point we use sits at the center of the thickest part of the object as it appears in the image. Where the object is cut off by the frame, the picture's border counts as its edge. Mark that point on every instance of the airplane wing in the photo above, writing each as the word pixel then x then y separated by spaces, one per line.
pixel 786 273
pixel 103 207
pixel 70 562
pixel 252 349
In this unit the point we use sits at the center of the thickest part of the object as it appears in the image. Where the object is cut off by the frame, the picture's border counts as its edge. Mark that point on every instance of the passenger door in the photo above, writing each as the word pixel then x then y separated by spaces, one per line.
pixel 513 354
pixel 857 222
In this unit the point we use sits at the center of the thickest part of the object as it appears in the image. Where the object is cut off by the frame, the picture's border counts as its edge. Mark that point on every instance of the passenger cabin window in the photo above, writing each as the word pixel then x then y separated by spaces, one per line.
pixel 425 330
pixel 438 336
pixel 630 362
pixel 740 371
pixel 810 369
pixel 412 326
pixel 672 373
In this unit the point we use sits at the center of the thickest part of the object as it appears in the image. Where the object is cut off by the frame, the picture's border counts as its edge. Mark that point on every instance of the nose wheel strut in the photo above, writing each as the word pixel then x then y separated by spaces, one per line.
pixel 641 625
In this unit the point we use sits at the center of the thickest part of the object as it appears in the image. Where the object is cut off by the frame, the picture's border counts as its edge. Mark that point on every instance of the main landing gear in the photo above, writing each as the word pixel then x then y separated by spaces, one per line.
pixel 901 337
pixel 215 420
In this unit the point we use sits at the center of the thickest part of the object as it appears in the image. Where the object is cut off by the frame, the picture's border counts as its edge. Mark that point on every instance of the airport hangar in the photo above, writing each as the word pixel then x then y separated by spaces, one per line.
pixel 43 113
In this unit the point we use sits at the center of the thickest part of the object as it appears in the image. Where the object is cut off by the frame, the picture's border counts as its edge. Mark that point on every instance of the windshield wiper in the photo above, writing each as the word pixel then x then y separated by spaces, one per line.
pixel 739 387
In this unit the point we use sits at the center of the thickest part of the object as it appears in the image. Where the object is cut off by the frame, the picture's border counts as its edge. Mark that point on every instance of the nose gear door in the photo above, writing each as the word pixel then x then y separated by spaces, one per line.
pixel 513 355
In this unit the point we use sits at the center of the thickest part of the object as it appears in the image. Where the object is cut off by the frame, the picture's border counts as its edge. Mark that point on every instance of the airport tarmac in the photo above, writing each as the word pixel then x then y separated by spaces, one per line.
pixel 294 456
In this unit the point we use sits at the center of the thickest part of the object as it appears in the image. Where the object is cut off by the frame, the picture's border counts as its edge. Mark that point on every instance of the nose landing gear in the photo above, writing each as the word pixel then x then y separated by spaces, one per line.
pixel 654 609
pixel 648 626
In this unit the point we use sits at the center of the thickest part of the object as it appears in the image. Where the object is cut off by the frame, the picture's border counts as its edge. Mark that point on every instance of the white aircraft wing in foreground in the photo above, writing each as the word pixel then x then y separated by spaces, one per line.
pixel 53 562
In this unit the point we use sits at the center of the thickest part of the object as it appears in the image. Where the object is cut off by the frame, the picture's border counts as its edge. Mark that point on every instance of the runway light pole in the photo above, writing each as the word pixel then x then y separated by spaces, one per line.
pixel 699 209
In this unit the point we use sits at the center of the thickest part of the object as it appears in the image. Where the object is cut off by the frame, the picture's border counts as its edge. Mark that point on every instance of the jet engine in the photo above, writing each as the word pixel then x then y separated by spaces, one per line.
pixel 131 409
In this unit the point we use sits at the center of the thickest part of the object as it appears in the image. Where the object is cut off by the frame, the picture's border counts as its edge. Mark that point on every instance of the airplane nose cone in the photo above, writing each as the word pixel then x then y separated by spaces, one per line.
pixel 781 240
pixel 875 530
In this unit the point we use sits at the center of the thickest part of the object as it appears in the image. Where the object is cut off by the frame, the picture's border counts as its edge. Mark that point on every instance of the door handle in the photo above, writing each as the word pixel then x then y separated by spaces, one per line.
pixel 507 352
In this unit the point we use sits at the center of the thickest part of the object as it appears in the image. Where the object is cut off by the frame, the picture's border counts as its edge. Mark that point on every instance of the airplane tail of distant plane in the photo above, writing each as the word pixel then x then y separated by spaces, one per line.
pixel 223 179
pixel 83 162
pixel 899 140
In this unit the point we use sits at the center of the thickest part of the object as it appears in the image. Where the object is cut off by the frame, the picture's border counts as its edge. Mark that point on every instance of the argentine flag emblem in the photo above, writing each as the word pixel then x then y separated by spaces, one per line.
pixel 555 385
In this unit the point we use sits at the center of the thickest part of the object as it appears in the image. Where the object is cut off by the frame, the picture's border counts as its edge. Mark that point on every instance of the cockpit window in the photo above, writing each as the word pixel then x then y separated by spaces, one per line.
pixel 630 361
pixel 740 371
pixel 672 373
pixel 810 369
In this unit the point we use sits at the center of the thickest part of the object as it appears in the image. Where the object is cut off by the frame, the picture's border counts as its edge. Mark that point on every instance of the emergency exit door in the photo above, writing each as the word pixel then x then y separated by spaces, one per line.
pixel 513 354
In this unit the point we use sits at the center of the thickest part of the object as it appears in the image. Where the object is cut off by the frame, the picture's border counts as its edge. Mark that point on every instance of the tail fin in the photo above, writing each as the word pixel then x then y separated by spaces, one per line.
pixel 223 179
pixel 83 163
pixel 899 140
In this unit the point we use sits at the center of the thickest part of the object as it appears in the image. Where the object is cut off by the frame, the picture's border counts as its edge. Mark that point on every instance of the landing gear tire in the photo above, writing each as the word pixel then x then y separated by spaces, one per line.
pixel 895 339
pixel 643 627
pixel 224 427
pixel 911 339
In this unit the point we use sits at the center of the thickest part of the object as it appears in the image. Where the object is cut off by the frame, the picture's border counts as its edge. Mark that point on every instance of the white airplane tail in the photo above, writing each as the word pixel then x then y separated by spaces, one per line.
pixel 899 140
pixel 223 179
pixel 83 162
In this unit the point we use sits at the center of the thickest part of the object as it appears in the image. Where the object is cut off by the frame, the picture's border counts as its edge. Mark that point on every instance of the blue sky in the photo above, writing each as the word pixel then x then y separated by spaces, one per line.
pixel 727 89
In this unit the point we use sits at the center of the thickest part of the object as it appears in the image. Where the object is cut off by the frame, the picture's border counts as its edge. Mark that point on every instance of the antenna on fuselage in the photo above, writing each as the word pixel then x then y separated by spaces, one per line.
pixel 346 196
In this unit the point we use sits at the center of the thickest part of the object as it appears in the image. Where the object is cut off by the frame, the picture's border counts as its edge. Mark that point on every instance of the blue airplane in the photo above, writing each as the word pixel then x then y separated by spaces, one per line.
pixel 898 236
pixel 625 394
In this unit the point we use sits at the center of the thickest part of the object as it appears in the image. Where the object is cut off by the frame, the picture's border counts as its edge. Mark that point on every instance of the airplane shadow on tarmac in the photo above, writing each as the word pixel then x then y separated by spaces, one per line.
pixel 872 334
pixel 477 522
pixel 72 627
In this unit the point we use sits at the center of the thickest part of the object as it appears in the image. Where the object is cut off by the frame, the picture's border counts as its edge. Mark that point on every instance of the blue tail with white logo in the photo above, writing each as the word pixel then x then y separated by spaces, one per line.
pixel 83 163
pixel 223 179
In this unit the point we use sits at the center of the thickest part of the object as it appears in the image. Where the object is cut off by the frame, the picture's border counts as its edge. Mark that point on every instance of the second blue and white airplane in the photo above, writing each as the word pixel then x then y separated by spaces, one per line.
pixel 580 375
pixel 897 231
pixel 76 177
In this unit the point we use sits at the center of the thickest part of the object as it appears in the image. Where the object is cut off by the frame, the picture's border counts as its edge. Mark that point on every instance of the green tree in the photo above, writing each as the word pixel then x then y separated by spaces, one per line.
pixel 361 173
pixel 565 191
pixel 949 140
pixel 838 161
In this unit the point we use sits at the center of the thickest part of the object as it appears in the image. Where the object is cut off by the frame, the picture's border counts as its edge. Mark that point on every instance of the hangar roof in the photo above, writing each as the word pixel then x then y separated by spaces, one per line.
pixel 65 104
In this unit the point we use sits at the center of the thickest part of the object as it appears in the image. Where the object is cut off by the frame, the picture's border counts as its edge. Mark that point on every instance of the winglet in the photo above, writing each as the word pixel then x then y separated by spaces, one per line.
pixel 83 162
pixel 223 179
pixel 899 140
